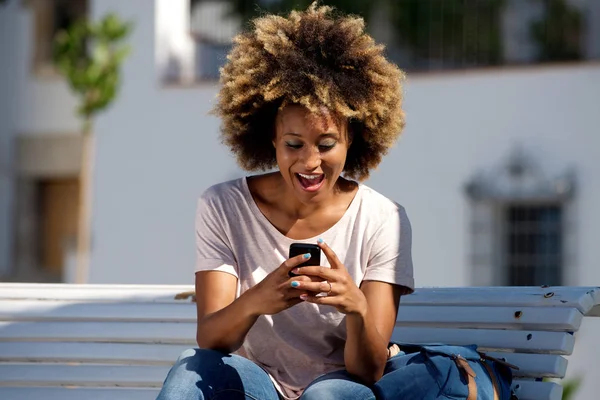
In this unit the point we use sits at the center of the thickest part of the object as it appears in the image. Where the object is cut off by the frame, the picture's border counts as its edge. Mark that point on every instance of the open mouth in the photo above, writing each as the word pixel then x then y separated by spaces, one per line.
pixel 310 182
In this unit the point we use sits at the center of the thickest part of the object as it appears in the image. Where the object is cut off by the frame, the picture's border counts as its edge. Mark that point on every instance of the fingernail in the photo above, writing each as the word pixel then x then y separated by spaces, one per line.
pixel 320 240
pixel 307 255
pixel 296 271
pixel 295 283
pixel 303 297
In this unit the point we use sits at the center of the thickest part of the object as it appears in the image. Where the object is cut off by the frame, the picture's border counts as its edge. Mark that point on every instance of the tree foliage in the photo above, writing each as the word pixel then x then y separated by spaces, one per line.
pixel 89 55
pixel 456 31
pixel 559 32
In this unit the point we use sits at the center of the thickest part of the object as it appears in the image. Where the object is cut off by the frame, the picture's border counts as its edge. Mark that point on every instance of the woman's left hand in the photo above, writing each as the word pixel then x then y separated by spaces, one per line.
pixel 342 292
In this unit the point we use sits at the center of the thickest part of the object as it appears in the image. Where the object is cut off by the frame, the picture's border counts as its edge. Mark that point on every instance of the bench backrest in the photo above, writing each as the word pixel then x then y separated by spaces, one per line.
pixel 118 341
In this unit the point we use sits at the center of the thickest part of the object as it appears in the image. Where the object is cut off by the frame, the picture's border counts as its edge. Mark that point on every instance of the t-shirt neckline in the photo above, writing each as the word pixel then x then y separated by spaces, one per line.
pixel 258 214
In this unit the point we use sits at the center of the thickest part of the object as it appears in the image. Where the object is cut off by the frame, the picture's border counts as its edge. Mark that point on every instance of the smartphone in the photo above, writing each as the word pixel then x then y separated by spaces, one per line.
pixel 303 248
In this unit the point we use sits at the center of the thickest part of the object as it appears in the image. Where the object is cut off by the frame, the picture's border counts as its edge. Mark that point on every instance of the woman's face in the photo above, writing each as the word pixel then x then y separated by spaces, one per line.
pixel 310 150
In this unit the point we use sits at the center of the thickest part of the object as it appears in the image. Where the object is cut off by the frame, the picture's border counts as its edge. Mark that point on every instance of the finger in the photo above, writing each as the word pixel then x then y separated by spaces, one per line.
pixel 317 287
pixel 295 295
pixel 293 262
pixel 323 300
pixel 306 278
pixel 333 259
pixel 293 301
pixel 317 271
pixel 295 282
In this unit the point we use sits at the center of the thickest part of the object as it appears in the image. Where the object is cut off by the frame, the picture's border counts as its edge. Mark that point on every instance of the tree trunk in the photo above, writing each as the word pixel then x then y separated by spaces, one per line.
pixel 85 205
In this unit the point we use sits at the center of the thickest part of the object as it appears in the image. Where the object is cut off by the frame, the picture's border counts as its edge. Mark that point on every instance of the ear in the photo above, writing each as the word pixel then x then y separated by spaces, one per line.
pixel 349 132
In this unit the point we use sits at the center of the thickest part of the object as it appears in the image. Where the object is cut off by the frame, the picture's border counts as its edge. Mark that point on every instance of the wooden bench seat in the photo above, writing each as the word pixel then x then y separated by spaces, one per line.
pixel 118 341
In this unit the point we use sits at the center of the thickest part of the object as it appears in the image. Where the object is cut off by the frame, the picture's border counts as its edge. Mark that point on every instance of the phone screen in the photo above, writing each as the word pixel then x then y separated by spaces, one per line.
pixel 303 248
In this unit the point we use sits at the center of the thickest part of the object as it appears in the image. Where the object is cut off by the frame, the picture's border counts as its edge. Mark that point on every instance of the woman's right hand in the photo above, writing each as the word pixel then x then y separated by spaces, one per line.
pixel 275 293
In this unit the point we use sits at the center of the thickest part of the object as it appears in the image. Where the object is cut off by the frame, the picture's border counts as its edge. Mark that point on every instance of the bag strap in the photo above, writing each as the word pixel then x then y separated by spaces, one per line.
pixel 494 380
pixel 496 360
pixel 463 365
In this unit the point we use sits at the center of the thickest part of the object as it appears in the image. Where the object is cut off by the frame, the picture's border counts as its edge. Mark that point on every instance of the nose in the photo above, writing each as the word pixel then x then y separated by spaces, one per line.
pixel 312 158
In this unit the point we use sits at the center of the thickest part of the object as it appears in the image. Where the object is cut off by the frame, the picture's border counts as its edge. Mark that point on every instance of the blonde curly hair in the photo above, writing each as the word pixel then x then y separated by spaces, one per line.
pixel 318 59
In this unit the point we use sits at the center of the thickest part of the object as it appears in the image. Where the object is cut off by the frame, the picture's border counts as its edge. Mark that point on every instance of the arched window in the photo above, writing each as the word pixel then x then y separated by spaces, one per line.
pixel 521 224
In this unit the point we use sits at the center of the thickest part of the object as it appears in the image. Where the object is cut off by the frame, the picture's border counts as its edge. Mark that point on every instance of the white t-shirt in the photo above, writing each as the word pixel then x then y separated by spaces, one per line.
pixel 372 240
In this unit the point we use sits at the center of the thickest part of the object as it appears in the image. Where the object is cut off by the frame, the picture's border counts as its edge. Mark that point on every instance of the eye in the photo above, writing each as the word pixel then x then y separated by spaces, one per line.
pixel 327 146
pixel 294 145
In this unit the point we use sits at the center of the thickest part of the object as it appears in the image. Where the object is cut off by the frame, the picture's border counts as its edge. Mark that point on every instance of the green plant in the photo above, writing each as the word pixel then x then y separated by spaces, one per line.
pixel 570 386
pixel 249 9
pixel 454 31
pixel 89 55
pixel 558 33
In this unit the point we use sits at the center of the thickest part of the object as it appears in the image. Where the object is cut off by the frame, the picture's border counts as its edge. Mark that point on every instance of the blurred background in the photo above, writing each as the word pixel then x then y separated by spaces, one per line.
pixel 498 167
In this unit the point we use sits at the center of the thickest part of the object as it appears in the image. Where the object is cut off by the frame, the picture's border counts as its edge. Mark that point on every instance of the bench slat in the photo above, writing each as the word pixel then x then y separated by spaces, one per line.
pixel 585 299
pixel 115 353
pixel 541 318
pixel 61 310
pixel 528 318
pixel 63 393
pixel 490 340
pixel 531 365
pixel 183 333
pixel 125 332
pixel 100 292
pixel 535 365
pixel 56 374
pixel 532 390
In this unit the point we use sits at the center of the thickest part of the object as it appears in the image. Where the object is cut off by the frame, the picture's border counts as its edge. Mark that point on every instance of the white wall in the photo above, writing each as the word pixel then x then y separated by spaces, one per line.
pixel 461 123
pixel 29 105
pixel 156 152
pixel 7 49
pixel 44 105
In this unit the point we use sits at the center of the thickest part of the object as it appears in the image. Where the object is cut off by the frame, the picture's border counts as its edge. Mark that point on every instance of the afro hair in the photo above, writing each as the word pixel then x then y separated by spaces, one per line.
pixel 317 58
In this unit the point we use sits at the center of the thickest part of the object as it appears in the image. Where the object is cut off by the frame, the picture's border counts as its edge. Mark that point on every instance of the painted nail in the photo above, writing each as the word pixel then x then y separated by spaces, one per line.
pixel 295 283
pixel 303 297
pixel 307 256
pixel 320 240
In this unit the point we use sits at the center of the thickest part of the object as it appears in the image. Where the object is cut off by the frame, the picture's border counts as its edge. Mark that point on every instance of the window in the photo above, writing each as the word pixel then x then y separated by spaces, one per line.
pixel 521 229
pixel 51 16
pixel 212 27
pixel 533 244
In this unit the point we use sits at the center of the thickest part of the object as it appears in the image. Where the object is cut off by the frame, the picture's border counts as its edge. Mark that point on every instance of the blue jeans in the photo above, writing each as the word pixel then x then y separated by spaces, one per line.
pixel 201 374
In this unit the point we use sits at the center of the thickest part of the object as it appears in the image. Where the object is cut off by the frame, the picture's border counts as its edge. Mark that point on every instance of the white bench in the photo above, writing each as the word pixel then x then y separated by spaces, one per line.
pixel 96 342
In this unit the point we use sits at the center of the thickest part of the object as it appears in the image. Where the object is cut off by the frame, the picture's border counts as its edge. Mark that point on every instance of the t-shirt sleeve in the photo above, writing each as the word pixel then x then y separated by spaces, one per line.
pixel 213 247
pixel 390 259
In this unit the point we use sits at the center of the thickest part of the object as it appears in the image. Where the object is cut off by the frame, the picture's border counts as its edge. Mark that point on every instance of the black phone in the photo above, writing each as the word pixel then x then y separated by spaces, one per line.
pixel 303 248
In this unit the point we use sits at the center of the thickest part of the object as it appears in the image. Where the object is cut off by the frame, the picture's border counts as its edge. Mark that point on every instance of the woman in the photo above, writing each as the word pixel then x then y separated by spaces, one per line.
pixel 313 96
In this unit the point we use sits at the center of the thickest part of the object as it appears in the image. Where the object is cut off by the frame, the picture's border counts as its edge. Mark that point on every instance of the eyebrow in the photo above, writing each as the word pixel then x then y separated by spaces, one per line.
pixel 328 134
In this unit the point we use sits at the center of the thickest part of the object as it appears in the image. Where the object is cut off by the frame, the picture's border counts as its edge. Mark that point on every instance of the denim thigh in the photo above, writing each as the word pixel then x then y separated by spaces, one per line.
pixel 337 385
pixel 201 374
